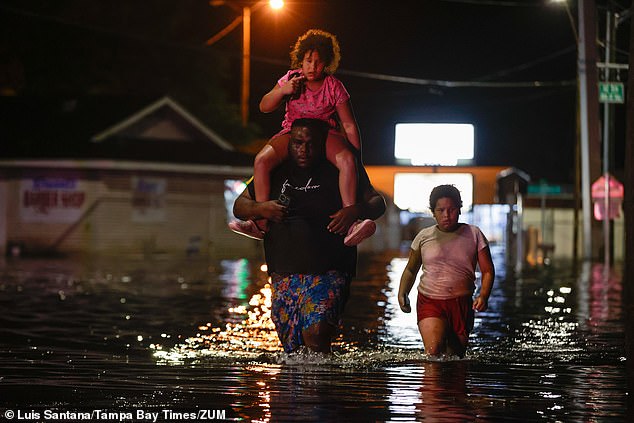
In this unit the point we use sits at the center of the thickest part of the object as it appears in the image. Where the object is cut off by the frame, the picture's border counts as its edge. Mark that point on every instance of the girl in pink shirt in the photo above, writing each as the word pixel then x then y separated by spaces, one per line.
pixel 310 90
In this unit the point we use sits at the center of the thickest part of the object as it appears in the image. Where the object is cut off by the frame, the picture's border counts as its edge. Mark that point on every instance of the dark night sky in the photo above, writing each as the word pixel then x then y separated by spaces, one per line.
pixel 451 40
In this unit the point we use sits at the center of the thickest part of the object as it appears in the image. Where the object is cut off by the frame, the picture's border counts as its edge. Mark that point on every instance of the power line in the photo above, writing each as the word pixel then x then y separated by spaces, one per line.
pixel 434 82
pixel 527 65
pixel 458 84
pixel 359 74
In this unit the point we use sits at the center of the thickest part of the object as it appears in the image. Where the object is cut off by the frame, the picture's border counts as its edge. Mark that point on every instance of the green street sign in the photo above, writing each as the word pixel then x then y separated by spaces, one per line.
pixel 545 189
pixel 611 92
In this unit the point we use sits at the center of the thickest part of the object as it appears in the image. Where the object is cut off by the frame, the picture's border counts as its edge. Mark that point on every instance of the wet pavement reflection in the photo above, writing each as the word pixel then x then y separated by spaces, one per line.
pixel 193 335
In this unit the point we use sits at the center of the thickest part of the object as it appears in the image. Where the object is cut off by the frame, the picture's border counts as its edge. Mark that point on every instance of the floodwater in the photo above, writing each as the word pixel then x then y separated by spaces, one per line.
pixel 120 340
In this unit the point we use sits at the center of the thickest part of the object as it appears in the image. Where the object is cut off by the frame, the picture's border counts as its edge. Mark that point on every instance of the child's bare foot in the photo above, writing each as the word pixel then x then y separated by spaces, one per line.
pixel 359 230
pixel 247 228
pixel 262 225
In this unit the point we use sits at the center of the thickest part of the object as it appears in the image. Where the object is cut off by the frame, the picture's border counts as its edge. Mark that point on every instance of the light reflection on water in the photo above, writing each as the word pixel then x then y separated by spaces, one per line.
pixel 193 334
pixel 249 337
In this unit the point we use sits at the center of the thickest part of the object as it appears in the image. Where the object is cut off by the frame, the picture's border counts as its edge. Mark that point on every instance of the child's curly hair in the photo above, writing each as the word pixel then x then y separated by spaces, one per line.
pixel 322 42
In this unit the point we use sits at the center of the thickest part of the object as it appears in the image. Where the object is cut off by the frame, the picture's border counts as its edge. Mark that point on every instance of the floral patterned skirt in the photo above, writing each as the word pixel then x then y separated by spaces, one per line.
pixel 301 301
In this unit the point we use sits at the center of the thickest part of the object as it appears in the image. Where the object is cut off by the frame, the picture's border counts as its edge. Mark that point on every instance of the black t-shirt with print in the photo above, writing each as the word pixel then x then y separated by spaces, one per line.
pixel 302 242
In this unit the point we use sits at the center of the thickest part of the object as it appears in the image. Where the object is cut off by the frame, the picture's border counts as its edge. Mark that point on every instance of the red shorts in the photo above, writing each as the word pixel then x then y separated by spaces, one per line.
pixel 457 312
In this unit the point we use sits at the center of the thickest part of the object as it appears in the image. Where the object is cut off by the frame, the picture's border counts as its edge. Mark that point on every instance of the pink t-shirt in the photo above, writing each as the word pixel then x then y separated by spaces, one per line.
pixel 449 260
pixel 321 104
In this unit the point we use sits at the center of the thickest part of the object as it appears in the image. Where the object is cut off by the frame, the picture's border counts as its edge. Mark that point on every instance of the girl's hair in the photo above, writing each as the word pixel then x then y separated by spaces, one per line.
pixel 442 191
pixel 322 42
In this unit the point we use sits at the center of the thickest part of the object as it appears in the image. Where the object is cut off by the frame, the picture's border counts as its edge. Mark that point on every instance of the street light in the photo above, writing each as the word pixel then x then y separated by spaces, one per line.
pixel 573 26
pixel 245 18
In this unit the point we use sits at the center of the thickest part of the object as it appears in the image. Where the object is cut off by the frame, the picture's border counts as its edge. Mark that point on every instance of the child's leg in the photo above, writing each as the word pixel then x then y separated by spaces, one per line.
pixel 341 156
pixel 268 158
pixel 433 330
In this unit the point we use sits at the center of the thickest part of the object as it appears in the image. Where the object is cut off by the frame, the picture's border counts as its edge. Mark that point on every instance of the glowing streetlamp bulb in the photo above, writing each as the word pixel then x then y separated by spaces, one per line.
pixel 246 45
pixel 276 4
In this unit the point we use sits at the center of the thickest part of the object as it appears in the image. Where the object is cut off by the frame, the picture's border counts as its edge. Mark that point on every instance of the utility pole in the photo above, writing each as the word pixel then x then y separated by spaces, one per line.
pixel 607 137
pixel 628 208
pixel 246 65
pixel 589 117
pixel 245 18
pixel 628 203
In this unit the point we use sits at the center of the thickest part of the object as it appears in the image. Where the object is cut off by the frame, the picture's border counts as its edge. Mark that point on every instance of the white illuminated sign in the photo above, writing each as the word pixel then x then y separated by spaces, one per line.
pixel 442 144
pixel 412 190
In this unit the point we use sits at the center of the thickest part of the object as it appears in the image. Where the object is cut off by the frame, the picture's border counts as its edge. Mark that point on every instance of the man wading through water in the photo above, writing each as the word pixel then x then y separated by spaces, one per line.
pixel 309 265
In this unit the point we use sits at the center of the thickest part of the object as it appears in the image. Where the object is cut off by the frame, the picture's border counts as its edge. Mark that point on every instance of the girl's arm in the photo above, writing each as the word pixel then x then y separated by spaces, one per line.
pixel 349 124
pixel 481 302
pixel 274 98
pixel 408 278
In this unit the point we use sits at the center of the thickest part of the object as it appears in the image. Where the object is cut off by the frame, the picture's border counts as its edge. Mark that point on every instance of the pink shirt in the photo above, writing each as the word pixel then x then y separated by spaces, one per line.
pixel 449 260
pixel 321 104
